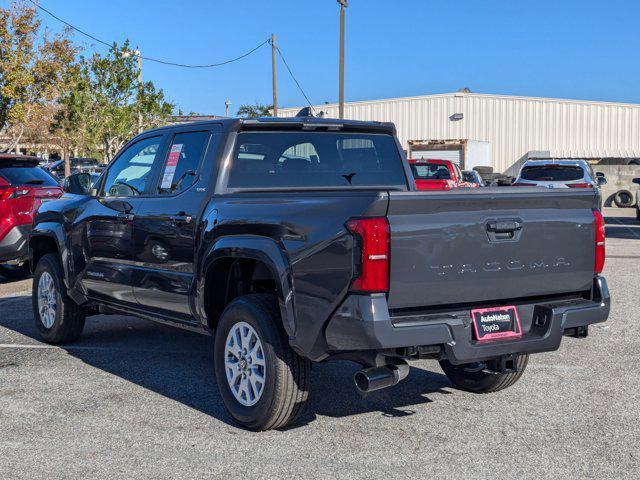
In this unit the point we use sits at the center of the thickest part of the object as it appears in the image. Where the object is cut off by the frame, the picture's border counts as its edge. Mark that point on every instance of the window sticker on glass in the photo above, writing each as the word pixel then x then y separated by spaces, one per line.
pixel 172 163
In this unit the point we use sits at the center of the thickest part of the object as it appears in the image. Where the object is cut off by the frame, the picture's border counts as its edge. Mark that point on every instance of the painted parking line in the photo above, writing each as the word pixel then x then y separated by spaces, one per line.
pixel 70 348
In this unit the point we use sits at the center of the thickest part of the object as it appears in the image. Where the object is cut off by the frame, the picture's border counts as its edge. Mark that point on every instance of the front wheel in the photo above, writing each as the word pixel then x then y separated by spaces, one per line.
pixel 58 318
pixel 472 377
pixel 263 383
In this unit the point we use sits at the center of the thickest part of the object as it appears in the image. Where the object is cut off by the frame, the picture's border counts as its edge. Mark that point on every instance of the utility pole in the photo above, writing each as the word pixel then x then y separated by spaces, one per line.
pixel 227 103
pixel 343 5
pixel 273 75
pixel 139 90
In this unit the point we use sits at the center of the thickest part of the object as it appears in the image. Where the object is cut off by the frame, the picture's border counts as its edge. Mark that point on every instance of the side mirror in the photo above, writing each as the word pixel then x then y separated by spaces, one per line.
pixel 601 180
pixel 636 180
pixel 599 174
pixel 77 184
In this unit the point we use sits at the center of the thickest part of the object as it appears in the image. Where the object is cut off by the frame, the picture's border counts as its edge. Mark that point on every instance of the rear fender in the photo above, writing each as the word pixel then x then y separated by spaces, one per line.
pixel 263 249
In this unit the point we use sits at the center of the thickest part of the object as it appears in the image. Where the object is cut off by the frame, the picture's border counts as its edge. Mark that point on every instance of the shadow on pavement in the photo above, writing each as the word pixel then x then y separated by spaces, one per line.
pixel 179 365
pixel 622 227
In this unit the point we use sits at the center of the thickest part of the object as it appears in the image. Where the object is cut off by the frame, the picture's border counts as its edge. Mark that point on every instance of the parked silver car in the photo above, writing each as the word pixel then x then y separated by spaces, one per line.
pixel 553 173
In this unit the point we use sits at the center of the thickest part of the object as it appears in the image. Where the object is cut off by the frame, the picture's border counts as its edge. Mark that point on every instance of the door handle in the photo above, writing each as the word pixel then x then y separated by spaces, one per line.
pixel 125 217
pixel 180 219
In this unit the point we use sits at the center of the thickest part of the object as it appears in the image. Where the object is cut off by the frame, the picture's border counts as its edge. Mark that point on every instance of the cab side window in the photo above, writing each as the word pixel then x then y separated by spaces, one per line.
pixel 181 167
pixel 128 175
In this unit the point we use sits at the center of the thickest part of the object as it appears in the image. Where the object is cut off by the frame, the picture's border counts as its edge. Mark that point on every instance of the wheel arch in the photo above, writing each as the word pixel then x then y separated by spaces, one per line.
pixel 262 258
pixel 50 238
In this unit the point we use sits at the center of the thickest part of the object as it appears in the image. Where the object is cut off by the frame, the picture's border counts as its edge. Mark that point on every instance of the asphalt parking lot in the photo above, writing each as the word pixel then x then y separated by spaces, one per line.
pixel 133 399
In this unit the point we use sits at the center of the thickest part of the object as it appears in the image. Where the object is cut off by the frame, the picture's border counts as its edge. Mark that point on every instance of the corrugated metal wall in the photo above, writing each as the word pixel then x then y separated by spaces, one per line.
pixel 512 125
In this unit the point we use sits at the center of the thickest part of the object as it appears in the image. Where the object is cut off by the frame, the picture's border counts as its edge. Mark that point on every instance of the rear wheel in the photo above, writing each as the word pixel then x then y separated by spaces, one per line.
pixel 472 377
pixel 58 318
pixel 15 272
pixel 263 383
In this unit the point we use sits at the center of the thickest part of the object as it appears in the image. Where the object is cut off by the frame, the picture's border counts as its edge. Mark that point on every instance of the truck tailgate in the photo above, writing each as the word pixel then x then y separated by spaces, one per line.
pixel 489 244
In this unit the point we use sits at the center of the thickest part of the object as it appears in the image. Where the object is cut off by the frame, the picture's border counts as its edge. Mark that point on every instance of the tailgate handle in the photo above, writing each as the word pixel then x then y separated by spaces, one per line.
pixel 503 229
pixel 504 226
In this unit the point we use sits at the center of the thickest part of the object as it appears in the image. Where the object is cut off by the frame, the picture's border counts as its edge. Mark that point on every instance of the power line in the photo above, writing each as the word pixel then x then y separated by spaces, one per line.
pixel 150 59
pixel 295 79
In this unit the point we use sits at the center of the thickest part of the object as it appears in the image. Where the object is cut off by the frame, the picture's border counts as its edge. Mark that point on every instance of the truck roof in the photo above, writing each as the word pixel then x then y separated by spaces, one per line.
pixel 300 122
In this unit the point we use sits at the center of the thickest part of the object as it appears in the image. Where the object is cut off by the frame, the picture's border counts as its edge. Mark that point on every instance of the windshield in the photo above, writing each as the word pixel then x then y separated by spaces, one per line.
pixel 430 171
pixel 315 159
pixel 552 173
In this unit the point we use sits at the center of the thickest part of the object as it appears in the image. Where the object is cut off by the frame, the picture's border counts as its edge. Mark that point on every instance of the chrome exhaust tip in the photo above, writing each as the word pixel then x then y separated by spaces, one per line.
pixel 377 378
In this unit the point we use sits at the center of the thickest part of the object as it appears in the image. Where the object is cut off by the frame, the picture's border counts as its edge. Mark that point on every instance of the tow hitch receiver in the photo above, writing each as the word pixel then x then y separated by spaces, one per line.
pixel 503 364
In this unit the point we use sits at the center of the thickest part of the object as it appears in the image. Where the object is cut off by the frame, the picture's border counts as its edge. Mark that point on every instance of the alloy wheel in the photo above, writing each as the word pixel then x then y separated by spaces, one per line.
pixel 244 364
pixel 47 300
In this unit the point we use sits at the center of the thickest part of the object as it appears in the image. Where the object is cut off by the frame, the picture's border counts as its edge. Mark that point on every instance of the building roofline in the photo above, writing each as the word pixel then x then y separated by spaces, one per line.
pixel 481 95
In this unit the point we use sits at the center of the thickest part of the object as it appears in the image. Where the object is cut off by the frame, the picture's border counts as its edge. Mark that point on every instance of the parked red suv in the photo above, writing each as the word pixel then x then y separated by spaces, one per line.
pixel 23 188
pixel 434 174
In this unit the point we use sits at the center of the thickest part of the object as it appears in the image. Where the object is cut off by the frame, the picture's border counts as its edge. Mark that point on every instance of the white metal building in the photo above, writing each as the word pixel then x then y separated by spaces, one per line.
pixel 500 130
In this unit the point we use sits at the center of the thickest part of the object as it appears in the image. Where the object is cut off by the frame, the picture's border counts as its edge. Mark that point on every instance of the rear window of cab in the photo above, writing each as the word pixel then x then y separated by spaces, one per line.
pixel 27 175
pixel 316 159
pixel 552 173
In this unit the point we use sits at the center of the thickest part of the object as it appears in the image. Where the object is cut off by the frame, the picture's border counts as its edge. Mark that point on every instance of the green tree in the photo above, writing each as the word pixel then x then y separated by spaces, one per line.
pixel 257 110
pixel 30 74
pixel 117 98
pixel 104 106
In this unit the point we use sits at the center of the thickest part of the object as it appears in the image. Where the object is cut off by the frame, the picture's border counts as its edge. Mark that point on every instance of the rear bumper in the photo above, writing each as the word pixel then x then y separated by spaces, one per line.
pixel 363 323
pixel 15 244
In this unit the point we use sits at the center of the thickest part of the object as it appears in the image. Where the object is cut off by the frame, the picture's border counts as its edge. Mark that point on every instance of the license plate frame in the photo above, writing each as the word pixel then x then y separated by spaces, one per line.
pixel 491 324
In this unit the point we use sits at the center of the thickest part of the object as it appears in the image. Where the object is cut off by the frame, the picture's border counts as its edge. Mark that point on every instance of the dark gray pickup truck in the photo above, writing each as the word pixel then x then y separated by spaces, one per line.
pixel 302 240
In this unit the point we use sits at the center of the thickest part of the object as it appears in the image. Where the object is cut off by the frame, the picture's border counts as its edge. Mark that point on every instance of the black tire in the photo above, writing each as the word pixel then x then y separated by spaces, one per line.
pixel 286 386
pixel 69 318
pixel 15 272
pixel 465 377
pixel 623 199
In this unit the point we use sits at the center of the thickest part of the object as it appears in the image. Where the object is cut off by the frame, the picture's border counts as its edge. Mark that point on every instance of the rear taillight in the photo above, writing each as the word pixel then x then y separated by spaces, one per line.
pixel 372 254
pixel 600 253
pixel 13 192
pixel 579 185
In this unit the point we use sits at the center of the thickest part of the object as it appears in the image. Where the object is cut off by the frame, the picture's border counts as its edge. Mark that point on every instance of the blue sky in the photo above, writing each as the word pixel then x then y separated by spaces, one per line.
pixel 563 48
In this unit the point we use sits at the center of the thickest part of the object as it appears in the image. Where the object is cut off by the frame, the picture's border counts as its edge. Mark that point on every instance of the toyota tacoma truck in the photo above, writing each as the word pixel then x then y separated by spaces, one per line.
pixel 302 240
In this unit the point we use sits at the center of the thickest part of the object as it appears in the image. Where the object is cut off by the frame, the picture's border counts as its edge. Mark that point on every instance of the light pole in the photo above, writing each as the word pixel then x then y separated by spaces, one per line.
pixel 343 5
pixel 273 75
pixel 227 103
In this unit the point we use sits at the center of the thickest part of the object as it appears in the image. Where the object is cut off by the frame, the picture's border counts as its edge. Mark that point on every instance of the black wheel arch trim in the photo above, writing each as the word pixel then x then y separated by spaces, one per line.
pixel 263 249
pixel 55 231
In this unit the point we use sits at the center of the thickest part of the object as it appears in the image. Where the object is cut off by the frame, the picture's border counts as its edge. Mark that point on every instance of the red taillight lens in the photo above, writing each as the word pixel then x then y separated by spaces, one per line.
pixel 372 263
pixel 579 185
pixel 600 252
pixel 12 192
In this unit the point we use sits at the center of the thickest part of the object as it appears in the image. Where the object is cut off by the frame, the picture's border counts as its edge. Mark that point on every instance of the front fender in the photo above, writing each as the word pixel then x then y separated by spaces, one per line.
pixel 254 247
pixel 55 232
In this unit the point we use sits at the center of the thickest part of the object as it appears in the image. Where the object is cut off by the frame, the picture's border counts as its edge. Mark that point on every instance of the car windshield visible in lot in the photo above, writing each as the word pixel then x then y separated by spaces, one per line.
pixel 315 159
pixel 552 173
